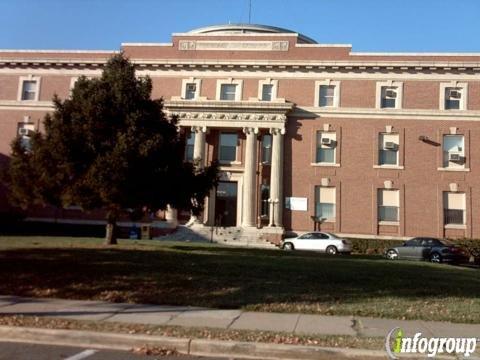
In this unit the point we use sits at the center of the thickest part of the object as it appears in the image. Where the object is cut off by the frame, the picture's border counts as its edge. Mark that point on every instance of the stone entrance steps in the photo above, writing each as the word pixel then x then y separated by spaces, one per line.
pixel 234 236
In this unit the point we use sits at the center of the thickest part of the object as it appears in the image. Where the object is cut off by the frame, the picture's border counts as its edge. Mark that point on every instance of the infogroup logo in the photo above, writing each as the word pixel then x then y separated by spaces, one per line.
pixel 397 343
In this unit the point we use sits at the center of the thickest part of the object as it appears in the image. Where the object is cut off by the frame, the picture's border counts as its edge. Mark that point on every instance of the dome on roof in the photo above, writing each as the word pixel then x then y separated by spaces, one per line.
pixel 249 29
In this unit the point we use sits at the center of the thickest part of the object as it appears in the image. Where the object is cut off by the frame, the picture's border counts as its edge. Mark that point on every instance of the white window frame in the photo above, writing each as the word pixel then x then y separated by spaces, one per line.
pixel 454 84
pixel 330 135
pixel 452 165
pixel 274 84
pixel 22 79
pixel 336 93
pixel 317 195
pixel 386 222
pixel 390 83
pixel 29 126
pixel 73 81
pixel 237 149
pixel 238 92
pixel 381 146
pixel 198 84
pixel 464 209
pixel 190 135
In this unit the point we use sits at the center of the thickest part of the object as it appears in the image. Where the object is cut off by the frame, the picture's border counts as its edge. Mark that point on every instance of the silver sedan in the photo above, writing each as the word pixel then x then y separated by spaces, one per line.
pixel 319 241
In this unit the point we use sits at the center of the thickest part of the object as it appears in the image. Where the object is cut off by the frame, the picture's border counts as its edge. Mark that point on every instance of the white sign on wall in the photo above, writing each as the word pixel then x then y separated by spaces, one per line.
pixel 296 203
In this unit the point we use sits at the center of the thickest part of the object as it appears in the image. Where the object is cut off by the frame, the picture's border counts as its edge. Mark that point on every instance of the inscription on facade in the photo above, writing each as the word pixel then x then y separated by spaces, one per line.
pixel 233 45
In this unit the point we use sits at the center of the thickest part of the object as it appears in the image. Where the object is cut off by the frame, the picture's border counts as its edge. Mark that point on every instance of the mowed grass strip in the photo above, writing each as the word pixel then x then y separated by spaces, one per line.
pixel 223 277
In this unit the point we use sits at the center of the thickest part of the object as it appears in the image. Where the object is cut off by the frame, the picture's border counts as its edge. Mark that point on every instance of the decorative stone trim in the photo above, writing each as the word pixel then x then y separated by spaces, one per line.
pixel 232 45
pixel 407 66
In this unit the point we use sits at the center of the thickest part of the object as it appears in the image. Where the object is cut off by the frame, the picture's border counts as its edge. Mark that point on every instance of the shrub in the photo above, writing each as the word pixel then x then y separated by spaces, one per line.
pixel 471 245
pixel 373 246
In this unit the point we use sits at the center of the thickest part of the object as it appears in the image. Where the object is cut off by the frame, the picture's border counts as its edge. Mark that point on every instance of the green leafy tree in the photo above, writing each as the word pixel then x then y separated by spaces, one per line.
pixel 109 146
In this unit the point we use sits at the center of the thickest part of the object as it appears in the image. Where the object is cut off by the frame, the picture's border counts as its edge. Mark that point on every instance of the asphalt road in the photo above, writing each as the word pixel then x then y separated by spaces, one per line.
pixel 24 351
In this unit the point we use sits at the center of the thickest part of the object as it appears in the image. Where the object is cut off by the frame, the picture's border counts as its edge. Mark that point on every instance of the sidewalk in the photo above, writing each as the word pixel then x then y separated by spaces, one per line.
pixel 300 324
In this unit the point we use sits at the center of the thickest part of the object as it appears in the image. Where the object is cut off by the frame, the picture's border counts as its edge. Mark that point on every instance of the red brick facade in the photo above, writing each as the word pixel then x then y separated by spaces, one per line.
pixel 419 122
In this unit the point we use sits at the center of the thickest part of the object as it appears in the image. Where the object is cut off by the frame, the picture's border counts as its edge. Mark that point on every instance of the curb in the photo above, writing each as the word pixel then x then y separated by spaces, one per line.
pixel 196 347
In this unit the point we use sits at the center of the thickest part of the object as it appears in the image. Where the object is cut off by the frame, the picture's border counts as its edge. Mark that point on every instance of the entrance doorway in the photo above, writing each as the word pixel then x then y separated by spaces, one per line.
pixel 226 204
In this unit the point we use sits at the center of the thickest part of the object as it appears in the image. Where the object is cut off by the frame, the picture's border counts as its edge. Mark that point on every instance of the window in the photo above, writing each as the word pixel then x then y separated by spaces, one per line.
pixel 228 147
pixel 453 151
pixel 389 97
pixel 326 144
pixel 454 208
pixel 325 203
pixel 228 92
pixel 189 146
pixel 25 131
pixel 267 92
pixel 190 91
pixel 388 204
pixel 413 243
pixel 453 98
pixel 327 96
pixel 29 90
pixel 265 195
pixel 266 149
pixel 267 89
pixel 388 149
pixel 191 88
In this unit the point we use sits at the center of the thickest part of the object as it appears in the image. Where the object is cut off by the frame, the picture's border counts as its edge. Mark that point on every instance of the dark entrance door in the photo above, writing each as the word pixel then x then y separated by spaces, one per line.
pixel 226 204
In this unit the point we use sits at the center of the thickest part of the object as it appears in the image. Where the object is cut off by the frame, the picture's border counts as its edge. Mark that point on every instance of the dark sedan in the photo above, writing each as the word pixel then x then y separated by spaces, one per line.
pixel 434 250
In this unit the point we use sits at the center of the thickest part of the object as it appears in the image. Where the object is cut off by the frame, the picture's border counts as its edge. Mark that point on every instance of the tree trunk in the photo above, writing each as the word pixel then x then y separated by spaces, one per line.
pixel 111 229
pixel 111 234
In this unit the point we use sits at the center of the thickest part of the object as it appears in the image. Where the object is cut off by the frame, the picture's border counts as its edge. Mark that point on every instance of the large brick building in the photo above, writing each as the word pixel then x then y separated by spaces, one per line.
pixel 374 144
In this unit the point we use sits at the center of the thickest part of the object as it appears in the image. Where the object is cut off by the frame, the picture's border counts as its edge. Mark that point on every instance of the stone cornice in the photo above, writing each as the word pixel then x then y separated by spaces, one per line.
pixel 230 114
pixel 402 114
pixel 281 107
pixel 406 66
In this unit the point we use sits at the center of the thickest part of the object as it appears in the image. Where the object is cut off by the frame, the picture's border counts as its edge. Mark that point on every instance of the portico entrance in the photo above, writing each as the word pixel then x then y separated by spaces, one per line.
pixel 226 204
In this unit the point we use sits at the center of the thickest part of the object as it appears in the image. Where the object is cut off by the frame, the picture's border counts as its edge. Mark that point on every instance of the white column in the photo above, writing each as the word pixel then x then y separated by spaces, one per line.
pixel 171 216
pixel 199 145
pixel 198 158
pixel 276 179
pixel 249 178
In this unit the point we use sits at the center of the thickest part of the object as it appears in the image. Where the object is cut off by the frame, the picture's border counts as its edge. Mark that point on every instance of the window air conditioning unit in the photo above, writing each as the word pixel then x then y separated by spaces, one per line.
pixel 191 87
pixel 389 145
pixel 23 131
pixel 327 141
pixel 455 157
pixel 390 94
pixel 455 94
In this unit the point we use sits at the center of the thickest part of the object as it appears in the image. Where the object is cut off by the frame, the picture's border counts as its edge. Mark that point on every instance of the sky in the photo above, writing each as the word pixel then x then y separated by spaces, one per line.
pixel 369 25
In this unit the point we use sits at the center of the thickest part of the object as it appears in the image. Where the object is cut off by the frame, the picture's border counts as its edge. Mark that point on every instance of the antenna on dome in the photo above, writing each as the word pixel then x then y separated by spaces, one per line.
pixel 249 11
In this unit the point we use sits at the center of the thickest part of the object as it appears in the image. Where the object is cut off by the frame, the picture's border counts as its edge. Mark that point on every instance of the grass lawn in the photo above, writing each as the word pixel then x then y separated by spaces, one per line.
pixel 216 276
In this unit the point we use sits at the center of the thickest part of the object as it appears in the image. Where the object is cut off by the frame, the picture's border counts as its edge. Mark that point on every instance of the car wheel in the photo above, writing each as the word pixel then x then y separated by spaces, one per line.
pixel 331 250
pixel 288 246
pixel 436 258
pixel 392 255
